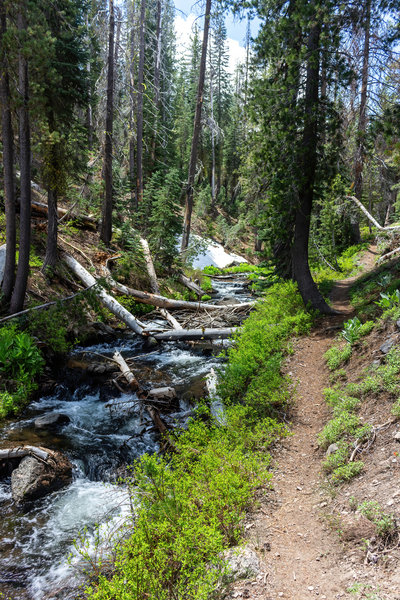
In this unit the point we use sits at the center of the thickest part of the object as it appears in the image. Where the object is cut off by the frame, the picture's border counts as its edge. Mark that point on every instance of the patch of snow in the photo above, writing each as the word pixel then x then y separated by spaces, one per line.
pixel 213 254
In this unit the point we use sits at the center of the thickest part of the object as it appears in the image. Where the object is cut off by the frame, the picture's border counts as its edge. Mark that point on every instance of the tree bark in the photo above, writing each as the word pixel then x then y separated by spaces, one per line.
pixel 157 73
pixel 132 110
pixel 8 164
pixel 139 118
pixel 52 230
pixel 106 222
pixel 21 280
pixel 196 133
pixel 150 267
pixel 301 270
pixel 362 120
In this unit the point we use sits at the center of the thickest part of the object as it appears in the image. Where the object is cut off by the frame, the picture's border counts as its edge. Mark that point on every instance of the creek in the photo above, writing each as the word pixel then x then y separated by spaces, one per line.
pixel 105 433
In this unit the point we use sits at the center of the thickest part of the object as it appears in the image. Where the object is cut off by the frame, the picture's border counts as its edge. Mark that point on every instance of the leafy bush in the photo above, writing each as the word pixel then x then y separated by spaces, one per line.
pixel 205 297
pixel 347 472
pixel 353 330
pixel 20 363
pixel 255 360
pixel 388 301
pixel 385 523
pixel 336 356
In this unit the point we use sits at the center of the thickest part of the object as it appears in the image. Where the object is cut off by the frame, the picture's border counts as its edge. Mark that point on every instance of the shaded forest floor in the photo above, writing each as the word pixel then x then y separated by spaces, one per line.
pixel 299 529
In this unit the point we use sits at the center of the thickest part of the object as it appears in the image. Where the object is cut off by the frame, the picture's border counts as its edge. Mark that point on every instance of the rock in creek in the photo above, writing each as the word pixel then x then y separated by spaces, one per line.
pixel 51 420
pixel 227 300
pixel 34 478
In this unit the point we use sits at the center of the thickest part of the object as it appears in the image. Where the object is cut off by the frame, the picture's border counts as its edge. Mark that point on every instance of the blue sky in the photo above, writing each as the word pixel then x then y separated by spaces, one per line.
pixel 188 13
pixel 236 28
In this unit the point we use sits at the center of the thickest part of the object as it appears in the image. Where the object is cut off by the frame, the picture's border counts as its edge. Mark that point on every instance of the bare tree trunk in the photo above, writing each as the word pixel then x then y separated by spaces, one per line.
pixel 132 97
pixel 301 269
pixel 213 193
pixel 196 133
pixel 21 280
pixel 8 164
pixel 106 222
pixel 362 121
pixel 150 266
pixel 52 230
pixel 139 119
pixel 157 73
pixel 89 110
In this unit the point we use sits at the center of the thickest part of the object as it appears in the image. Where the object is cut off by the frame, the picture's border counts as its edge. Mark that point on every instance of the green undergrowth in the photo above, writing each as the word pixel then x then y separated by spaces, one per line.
pixel 20 363
pixel 346 429
pixel 347 265
pixel 190 504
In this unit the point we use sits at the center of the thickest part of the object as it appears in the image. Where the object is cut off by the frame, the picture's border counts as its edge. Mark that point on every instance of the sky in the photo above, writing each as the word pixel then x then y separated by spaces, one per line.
pixel 186 15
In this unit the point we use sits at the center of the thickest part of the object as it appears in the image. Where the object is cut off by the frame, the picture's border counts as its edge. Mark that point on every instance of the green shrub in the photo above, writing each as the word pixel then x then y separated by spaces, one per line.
pixel 337 356
pixel 205 297
pixel 347 472
pixel 20 363
pixel 275 319
pixel 335 429
pixel 337 459
pixel 385 523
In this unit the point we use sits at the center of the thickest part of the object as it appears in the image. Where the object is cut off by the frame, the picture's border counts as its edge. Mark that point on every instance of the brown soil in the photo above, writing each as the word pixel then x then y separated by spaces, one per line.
pixel 296 528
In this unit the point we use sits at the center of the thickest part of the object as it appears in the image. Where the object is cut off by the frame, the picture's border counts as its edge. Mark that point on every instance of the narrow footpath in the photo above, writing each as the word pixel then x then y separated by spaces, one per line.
pixel 301 553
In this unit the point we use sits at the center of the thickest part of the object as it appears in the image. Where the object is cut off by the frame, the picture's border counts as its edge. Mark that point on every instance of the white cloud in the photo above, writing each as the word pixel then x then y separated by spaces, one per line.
pixel 184 30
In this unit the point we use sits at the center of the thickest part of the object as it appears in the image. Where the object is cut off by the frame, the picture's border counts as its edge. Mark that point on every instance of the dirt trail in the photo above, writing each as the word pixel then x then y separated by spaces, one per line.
pixel 303 557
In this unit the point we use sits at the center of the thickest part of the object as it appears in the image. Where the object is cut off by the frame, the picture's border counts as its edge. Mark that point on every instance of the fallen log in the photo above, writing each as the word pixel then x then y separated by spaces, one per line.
pixel 41 209
pixel 171 320
pixel 163 302
pixel 22 451
pixel 151 410
pixel 388 255
pixel 126 372
pixel 195 334
pixel 191 285
pixel 109 302
pixel 43 306
pixel 369 216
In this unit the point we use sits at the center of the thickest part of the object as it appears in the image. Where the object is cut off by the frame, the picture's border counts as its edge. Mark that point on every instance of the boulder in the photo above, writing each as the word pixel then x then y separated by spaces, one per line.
pixel 51 420
pixel 387 345
pixel 226 300
pixel 240 563
pixel 34 478
pixel 332 449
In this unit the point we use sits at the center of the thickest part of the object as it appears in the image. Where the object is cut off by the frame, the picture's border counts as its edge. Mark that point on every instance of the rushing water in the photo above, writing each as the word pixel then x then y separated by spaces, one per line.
pixel 104 434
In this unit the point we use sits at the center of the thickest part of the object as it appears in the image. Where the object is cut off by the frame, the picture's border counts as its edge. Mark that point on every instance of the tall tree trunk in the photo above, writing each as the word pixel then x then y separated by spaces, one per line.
pixel 157 74
pixel 8 163
pixel 301 269
pixel 132 110
pixel 52 230
pixel 21 280
pixel 362 120
pixel 213 184
pixel 89 109
pixel 106 222
pixel 196 133
pixel 139 119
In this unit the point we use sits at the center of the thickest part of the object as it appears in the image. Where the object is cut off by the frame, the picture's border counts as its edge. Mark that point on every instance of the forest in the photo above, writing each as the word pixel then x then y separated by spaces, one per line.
pixel 198 273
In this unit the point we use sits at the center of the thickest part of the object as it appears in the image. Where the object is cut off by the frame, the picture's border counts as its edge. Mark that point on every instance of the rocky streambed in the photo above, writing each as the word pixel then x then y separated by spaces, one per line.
pixel 100 430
